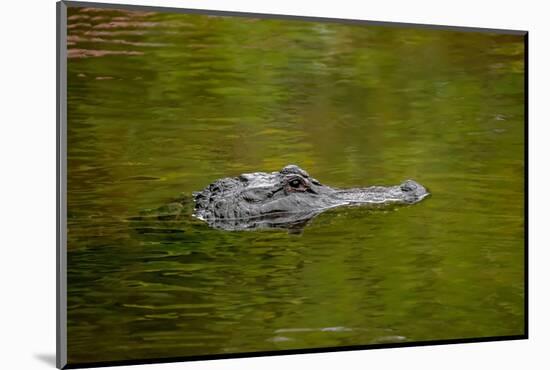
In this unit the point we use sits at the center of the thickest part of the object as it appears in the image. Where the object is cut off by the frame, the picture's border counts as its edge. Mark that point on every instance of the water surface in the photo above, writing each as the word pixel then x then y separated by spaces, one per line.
pixel 161 105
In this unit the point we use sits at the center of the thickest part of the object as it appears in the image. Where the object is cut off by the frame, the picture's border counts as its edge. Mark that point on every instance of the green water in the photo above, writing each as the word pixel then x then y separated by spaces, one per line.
pixel 164 104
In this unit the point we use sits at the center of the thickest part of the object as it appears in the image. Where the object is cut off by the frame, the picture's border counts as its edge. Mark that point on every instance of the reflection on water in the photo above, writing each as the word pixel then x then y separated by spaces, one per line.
pixel 160 105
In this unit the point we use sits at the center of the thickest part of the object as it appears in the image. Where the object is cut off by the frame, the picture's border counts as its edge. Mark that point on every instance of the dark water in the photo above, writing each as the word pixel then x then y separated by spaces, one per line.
pixel 162 104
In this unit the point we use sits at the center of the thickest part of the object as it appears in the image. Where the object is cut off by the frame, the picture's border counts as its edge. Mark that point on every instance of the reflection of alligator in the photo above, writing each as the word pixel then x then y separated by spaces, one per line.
pixel 287 199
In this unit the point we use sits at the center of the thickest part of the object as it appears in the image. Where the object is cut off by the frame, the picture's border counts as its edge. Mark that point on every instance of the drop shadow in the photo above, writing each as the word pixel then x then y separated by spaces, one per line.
pixel 47 358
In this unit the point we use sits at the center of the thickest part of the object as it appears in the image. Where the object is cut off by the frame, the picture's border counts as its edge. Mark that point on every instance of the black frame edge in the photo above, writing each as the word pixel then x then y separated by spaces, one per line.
pixel 291 352
pixel 526 181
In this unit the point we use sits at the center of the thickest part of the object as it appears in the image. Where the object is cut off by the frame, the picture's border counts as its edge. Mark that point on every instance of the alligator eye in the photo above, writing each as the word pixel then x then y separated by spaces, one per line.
pixel 295 183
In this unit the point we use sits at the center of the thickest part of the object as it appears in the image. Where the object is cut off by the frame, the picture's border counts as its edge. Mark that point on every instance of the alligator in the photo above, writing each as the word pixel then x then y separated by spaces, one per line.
pixel 288 199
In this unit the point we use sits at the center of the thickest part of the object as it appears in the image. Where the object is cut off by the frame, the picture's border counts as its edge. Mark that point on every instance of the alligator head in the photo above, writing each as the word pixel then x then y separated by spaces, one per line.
pixel 287 198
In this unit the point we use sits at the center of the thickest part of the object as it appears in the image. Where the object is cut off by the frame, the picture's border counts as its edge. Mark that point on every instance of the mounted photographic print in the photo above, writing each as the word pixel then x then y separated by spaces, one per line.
pixel 235 185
